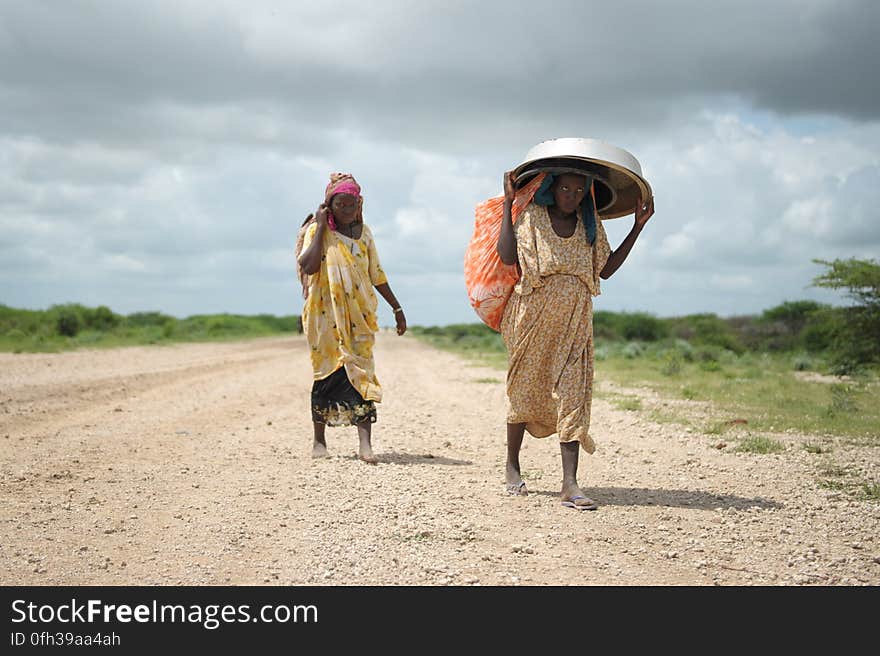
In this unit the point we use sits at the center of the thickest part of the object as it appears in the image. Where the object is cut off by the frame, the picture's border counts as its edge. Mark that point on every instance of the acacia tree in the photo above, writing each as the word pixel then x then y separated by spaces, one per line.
pixel 858 335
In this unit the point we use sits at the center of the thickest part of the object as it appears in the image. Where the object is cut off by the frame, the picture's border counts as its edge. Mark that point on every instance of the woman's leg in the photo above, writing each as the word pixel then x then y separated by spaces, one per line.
pixel 319 445
pixel 572 494
pixel 365 448
pixel 512 475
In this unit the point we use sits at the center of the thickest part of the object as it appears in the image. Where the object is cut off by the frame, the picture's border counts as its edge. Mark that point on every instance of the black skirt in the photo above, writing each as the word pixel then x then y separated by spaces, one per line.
pixel 336 402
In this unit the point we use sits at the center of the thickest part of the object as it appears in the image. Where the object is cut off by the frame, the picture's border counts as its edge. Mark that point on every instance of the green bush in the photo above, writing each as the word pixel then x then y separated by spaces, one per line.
pixel 822 330
pixel 793 315
pixel 684 349
pixel 707 354
pixel 802 363
pixel 857 339
pixel 71 324
pixel 469 336
pixel 30 322
pixel 842 400
pixel 226 325
pixel 633 350
pixel 285 324
pixel 707 329
pixel 628 326
pixel 89 337
pixel 606 325
pixel 642 326
pixel 671 364
pixel 101 318
pixel 68 320
pixel 144 319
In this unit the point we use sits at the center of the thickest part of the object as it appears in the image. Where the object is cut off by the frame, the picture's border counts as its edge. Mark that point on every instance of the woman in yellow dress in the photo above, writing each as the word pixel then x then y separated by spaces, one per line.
pixel 562 251
pixel 339 267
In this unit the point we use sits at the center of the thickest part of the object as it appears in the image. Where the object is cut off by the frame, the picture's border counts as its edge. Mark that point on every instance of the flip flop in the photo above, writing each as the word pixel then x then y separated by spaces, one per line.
pixel 587 504
pixel 517 489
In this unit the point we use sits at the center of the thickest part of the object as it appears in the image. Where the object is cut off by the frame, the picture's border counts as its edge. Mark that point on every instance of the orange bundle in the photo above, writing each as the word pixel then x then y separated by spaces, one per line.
pixel 488 280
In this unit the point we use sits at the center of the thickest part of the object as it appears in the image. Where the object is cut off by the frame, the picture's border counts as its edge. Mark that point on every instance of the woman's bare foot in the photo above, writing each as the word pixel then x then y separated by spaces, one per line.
pixel 365 452
pixel 573 497
pixel 319 442
pixel 319 450
pixel 368 456
pixel 512 475
pixel 514 484
pixel 365 447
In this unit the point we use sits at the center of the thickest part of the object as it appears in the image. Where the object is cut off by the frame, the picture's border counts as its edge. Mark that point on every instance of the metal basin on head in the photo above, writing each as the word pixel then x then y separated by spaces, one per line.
pixel 617 174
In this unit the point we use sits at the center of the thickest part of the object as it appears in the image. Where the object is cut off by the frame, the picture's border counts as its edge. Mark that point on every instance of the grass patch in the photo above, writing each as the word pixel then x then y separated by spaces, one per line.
pixel 858 491
pixel 760 388
pixel 629 403
pixel 831 469
pixel 759 444
pixel 419 536
pixel 842 478
pixel 870 492
pixel 717 428
pixel 843 401
pixel 664 417
pixel 816 448
pixel 488 380
pixel 837 486
pixel 671 365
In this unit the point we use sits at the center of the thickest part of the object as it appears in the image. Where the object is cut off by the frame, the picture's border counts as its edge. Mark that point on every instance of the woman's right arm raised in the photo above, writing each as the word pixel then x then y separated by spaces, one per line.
pixel 507 238
pixel 310 258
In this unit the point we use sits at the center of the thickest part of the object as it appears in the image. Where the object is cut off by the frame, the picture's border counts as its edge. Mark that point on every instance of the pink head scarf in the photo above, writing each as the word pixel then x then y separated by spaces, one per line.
pixel 342 183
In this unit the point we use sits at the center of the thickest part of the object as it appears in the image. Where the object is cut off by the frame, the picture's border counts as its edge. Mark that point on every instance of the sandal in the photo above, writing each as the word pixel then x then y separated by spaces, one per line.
pixel 580 503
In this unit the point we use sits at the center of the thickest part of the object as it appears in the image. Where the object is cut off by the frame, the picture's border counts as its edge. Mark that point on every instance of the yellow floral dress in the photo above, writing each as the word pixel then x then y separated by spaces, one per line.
pixel 339 319
pixel 548 328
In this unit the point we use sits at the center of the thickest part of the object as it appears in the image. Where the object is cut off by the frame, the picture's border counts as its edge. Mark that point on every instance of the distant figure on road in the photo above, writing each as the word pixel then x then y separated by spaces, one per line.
pixel 339 267
pixel 561 249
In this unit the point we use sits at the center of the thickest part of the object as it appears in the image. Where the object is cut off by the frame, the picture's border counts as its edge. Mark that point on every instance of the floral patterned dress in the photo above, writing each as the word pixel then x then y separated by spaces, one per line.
pixel 547 327
pixel 339 320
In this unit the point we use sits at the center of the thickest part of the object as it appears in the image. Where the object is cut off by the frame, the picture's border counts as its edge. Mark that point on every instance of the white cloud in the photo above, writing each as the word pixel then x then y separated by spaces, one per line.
pixel 810 217
pixel 124 263
pixel 742 198
pixel 171 166
pixel 678 245
pixel 419 222
pixel 731 282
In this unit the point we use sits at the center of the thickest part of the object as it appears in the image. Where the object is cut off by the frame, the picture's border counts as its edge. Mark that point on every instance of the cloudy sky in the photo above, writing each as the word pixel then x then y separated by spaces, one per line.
pixel 161 155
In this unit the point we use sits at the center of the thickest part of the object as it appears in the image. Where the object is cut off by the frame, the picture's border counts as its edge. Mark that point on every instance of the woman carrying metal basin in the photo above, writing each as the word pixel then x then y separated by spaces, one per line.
pixel 551 230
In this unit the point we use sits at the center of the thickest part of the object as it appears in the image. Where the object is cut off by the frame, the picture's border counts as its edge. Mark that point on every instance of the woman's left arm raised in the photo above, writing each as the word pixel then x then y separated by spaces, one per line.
pixel 644 211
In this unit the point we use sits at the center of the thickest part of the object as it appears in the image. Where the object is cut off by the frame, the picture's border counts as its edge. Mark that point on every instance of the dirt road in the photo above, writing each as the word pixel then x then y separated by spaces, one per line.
pixel 191 464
